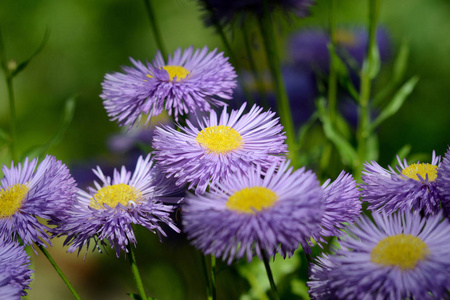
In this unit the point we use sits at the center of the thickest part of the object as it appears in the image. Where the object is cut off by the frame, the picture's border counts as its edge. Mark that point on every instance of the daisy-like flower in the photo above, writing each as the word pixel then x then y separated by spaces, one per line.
pixel 29 191
pixel 399 256
pixel 226 12
pixel 342 204
pixel 247 214
pixel 189 82
pixel 443 183
pixel 15 274
pixel 108 210
pixel 221 146
pixel 410 187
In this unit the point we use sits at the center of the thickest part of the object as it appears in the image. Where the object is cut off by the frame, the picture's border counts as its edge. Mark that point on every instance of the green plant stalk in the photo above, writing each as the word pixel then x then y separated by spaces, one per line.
pixel 258 79
pixel 363 130
pixel 12 106
pixel 213 277
pixel 155 28
pixel 332 78
pixel 58 270
pixel 228 49
pixel 332 88
pixel 206 274
pixel 273 287
pixel 268 35
pixel 135 271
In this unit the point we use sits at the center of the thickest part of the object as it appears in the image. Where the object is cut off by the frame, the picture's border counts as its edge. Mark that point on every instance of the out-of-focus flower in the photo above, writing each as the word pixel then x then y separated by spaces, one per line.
pixel 227 12
pixel 28 192
pixel 255 212
pixel 443 183
pixel 397 257
pixel 188 82
pixel 308 47
pixel 108 210
pixel 411 187
pixel 221 146
pixel 15 272
pixel 342 204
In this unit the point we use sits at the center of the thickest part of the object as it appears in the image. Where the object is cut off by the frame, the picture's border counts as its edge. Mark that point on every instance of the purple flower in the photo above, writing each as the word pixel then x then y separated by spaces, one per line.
pixel 342 204
pixel 188 82
pixel 411 187
pixel 221 146
pixel 443 183
pixel 108 210
pixel 227 12
pixel 28 192
pixel 395 257
pixel 15 274
pixel 252 212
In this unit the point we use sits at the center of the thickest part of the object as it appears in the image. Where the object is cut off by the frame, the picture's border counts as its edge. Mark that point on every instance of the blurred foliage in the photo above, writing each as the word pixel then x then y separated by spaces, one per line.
pixel 90 38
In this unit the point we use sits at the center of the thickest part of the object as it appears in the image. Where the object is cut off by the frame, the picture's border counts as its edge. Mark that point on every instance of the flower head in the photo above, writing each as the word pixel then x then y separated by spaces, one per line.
pixel 29 191
pixel 226 12
pixel 410 187
pixel 15 274
pixel 443 183
pixel 397 257
pixel 189 82
pixel 250 212
pixel 342 204
pixel 108 210
pixel 221 146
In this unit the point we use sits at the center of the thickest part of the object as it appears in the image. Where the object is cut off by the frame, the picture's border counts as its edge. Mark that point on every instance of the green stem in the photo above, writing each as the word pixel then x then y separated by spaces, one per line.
pixel 257 76
pixel 135 271
pixel 273 287
pixel 332 79
pixel 228 49
pixel 12 106
pixel 155 28
pixel 213 277
pixel 268 35
pixel 58 270
pixel 206 273
pixel 363 131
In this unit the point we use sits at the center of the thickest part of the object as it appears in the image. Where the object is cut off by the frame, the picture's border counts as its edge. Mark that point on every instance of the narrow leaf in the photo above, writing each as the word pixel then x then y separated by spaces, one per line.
pixel 346 151
pixel 396 102
pixel 21 66
pixel 68 113
pixel 4 136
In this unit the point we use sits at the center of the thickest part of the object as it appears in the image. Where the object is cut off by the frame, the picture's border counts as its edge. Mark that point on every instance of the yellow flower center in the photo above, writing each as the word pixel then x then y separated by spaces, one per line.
pixel 219 139
pixel 345 37
pixel 11 199
pixel 249 200
pixel 114 194
pixel 178 71
pixel 421 169
pixel 400 250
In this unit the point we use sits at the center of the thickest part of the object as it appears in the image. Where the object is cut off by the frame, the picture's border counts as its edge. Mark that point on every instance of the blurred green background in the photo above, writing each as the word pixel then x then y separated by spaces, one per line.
pixel 90 38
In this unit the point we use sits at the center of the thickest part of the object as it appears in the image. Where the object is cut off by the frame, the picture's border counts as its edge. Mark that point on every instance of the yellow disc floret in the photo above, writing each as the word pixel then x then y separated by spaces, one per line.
pixel 219 139
pixel 251 200
pixel 421 169
pixel 401 250
pixel 178 71
pixel 11 199
pixel 114 194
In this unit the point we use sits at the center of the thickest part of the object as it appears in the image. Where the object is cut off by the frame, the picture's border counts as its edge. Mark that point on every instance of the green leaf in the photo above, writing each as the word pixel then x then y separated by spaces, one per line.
pixel 400 64
pixel 346 151
pixel 372 148
pixel 68 113
pixel 402 153
pixel 396 102
pixel 341 70
pixel 4 137
pixel 21 66
pixel 305 128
